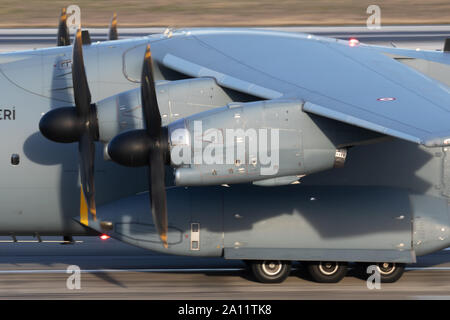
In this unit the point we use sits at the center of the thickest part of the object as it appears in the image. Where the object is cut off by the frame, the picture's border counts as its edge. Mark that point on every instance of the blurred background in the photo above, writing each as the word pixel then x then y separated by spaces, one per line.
pixel 177 13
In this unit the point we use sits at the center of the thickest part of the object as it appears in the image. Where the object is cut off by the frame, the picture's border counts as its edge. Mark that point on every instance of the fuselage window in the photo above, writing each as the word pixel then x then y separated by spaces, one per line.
pixel 15 159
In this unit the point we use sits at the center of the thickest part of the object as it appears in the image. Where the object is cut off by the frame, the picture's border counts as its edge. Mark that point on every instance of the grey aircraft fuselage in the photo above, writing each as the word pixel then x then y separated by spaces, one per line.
pixel 388 203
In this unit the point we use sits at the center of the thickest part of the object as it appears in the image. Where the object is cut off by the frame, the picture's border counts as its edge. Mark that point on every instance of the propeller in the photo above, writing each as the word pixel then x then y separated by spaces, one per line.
pixel 112 34
pixel 147 147
pixel 158 147
pixel 63 31
pixel 77 124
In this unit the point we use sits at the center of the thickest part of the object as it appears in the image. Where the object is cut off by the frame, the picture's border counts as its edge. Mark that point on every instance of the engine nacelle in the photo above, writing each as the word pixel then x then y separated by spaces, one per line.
pixel 248 142
pixel 176 99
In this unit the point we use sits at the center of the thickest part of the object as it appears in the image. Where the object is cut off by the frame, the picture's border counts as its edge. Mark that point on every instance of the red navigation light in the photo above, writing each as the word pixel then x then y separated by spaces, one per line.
pixel 104 237
pixel 353 42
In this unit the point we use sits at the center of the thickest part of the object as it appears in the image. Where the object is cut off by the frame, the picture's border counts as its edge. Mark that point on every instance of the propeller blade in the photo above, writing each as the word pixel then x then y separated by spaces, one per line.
pixel 77 124
pixel 150 109
pixel 63 31
pixel 148 147
pixel 152 120
pixel 112 34
pixel 158 199
pixel 81 91
pixel 89 123
pixel 86 151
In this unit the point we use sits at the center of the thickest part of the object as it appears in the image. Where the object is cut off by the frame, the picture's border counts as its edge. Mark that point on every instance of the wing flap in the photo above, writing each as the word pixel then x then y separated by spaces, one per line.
pixel 384 126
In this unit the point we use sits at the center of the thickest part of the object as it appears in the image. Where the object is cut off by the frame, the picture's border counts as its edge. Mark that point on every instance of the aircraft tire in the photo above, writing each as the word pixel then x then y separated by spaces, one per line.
pixel 327 272
pixel 271 271
pixel 390 272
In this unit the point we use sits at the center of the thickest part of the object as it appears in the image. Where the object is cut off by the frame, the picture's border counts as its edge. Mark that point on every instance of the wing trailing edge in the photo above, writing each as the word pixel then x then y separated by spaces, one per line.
pixel 412 135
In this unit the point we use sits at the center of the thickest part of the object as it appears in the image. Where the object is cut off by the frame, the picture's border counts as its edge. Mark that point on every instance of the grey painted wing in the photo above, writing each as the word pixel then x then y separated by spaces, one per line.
pixel 359 85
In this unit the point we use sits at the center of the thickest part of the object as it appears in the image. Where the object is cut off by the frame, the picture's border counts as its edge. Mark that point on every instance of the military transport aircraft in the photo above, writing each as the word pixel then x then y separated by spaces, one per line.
pixel 351 165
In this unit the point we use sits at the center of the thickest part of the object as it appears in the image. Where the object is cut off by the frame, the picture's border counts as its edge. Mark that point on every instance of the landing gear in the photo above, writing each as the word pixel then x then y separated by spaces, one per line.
pixel 276 271
pixel 327 272
pixel 270 271
pixel 389 271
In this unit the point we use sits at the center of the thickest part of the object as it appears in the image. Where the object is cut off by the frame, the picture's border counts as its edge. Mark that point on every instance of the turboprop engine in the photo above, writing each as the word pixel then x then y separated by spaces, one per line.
pixel 176 99
pixel 250 142
pixel 239 143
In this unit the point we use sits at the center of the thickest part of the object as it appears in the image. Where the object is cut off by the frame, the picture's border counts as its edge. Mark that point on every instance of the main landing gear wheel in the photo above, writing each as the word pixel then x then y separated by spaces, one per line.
pixel 389 271
pixel 327 272
pixel 270 271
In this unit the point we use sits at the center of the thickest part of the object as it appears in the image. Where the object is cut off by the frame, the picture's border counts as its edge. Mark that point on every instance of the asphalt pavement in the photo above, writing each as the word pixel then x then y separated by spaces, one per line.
pixel 110 269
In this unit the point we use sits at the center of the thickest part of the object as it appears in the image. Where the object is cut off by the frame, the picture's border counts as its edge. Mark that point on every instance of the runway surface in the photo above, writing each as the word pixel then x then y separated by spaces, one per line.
pixel 113 270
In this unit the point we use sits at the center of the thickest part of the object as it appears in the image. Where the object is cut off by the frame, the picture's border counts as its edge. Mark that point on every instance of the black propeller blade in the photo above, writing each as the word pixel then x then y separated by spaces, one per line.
pixel 87 115
pixel 77 124
pixel 158 147
pixel 63 31
pixel 81 91
pixel 112 34
pixel 147 147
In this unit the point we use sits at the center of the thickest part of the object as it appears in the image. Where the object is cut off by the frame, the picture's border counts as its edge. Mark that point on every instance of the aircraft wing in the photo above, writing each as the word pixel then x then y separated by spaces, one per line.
pixel 359 85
